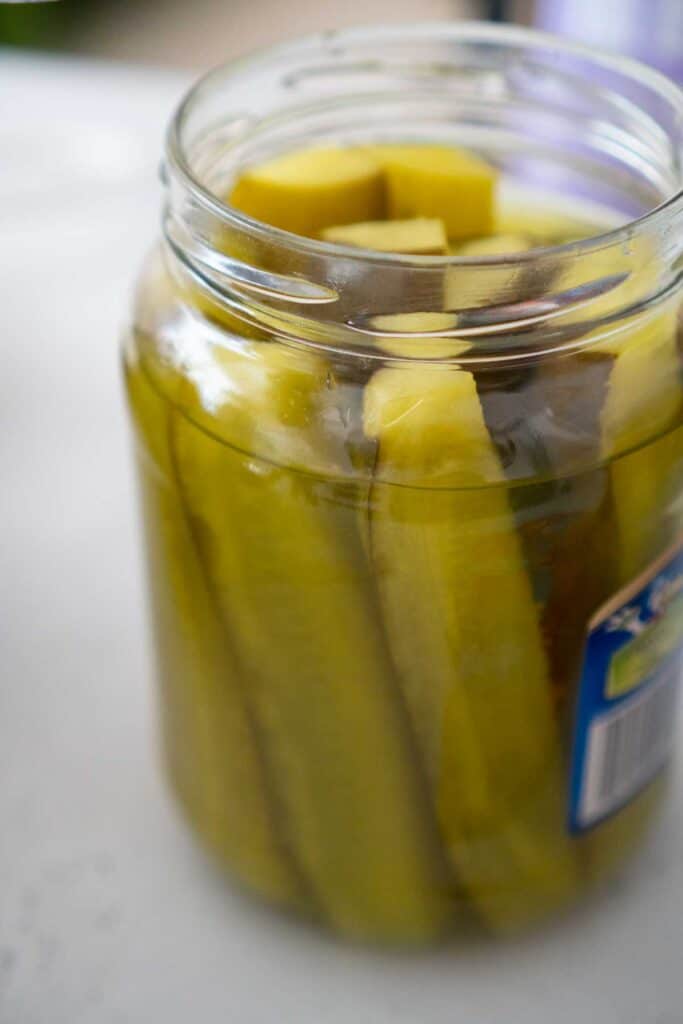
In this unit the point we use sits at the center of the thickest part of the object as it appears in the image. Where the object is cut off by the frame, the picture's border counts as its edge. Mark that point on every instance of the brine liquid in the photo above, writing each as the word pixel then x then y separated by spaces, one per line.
pixel 369 680
pixel 327 736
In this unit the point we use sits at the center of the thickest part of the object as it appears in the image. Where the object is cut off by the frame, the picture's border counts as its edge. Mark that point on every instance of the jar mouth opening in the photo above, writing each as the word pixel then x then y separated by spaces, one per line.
pixel 328 44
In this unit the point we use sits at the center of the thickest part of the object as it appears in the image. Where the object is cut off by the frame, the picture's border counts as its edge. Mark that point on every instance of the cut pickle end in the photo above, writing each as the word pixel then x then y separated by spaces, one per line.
pixel 495 245
pixel 421 236
pixel 469 287
pixel 644 399
pixel 429 400
pixel 644 391
pixel 439 181
pixel 646 485
pixel 412 345
pixel 449 570
pixel 296 428
pixel 320 678
pixel 624 278
pixel 309 190
pixel 542 226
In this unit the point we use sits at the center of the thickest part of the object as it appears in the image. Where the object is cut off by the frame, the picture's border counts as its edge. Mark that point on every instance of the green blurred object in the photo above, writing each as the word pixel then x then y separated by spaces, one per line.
pixel 47 24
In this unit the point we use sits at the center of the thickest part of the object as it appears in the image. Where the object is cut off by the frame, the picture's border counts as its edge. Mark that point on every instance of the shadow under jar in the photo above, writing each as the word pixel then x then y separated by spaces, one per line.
pixel 414 581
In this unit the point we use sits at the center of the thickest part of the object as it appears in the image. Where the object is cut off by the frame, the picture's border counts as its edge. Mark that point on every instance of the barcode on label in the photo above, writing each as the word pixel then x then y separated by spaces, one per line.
pixel 627 747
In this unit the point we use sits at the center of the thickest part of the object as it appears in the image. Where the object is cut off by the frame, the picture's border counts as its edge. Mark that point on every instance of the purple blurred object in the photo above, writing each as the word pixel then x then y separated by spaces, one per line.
pixel 651 30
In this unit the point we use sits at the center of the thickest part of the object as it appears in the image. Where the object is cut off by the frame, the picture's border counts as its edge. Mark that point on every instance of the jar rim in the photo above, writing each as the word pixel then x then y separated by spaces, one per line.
pixel 467 31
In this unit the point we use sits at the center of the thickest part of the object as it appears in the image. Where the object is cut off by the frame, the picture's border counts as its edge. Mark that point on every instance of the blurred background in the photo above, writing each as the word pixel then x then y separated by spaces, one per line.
pixel 199 33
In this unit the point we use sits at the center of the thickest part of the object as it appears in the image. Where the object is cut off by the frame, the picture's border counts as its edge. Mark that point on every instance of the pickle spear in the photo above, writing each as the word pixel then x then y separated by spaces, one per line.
pixel 209 738
pixel 643 400
pixel 462 625
pixel 285 559
pixel 588 531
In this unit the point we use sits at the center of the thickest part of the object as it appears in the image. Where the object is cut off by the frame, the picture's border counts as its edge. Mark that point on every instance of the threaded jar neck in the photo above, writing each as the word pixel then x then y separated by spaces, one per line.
pixel 555 118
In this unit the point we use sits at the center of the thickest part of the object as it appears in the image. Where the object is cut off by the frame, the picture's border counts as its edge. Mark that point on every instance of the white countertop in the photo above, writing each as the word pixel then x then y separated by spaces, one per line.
pixel 108 913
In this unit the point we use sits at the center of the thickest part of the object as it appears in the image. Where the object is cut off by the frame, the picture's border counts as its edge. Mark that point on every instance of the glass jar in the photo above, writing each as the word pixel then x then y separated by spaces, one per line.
pixel 414 579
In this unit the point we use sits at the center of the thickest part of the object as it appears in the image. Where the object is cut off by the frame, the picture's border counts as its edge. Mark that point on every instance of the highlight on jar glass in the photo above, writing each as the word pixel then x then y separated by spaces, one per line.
pixel 405 375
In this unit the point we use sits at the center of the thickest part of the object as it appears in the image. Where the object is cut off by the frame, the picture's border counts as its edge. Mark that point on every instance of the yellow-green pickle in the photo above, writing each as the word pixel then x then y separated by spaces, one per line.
pixel 409 438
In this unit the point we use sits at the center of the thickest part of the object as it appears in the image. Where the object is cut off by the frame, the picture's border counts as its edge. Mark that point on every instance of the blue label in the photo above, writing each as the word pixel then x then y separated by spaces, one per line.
pixel 628 693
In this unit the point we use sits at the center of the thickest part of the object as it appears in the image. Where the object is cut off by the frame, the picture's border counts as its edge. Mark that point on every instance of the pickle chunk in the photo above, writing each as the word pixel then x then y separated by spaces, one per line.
pixel 420 236
pixel 542 226
pixel 414 345
pixel 463 627
pixel 439 181
pixel 495 245
pixel 307 191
